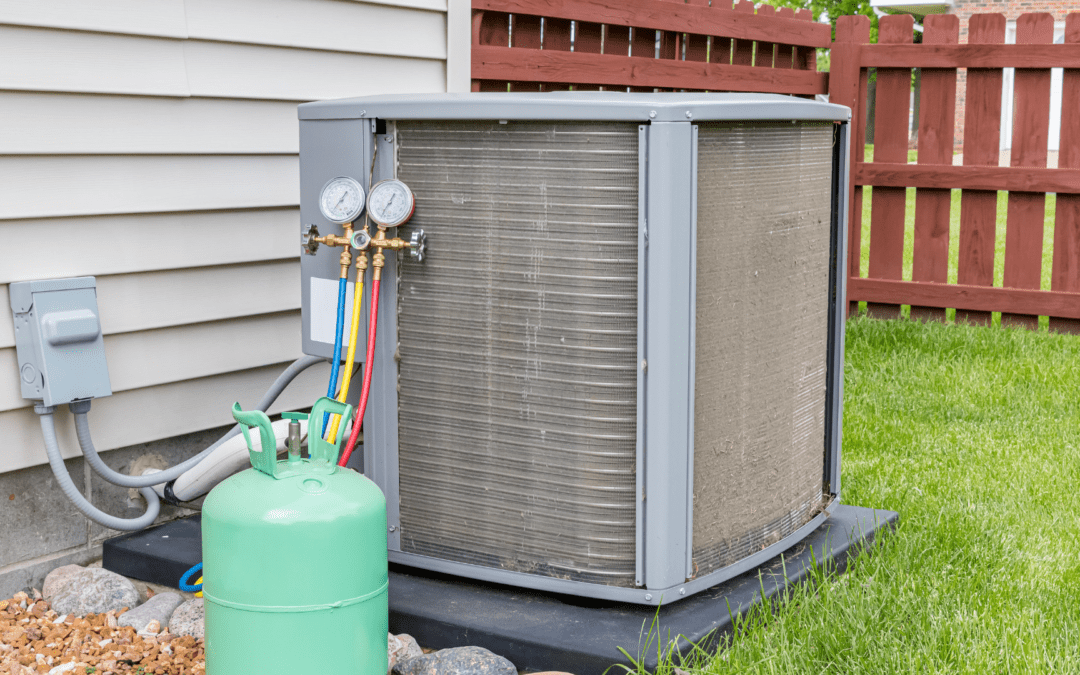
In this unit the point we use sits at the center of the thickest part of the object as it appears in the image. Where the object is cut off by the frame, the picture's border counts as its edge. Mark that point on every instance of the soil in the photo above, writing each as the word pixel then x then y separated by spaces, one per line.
pixel 35 639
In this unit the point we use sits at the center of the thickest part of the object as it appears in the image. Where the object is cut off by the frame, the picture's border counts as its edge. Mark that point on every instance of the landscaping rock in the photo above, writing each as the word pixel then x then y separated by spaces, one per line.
pixel 148 590
pixel 158 608
pixel 188 619
pixel 35 640
pixel 79 590
pixel 401 648
pixel 57 580
pixel 456 661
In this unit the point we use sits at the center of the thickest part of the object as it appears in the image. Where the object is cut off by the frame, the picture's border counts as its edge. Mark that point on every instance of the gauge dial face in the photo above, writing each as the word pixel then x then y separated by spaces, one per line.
pixel 341 200
pixel 391 203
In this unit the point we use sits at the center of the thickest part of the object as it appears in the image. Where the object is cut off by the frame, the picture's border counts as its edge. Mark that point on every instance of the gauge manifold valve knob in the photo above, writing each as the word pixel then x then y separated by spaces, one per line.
pixel 309 240
pixel 417 245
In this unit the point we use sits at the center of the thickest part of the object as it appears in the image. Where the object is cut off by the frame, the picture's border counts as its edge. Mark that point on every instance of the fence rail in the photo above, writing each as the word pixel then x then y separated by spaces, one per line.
pixel 549 45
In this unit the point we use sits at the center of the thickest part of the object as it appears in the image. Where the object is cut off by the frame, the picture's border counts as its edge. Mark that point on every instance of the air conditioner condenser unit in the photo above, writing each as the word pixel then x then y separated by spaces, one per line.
pixel 617 371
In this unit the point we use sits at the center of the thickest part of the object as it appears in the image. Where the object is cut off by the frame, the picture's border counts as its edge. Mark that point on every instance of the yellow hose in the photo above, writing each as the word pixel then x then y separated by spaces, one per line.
pixel 358 294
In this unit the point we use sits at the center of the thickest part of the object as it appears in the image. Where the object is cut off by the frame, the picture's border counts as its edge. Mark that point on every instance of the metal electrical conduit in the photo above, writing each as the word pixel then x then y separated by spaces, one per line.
pixel 56 461
pixel 144 483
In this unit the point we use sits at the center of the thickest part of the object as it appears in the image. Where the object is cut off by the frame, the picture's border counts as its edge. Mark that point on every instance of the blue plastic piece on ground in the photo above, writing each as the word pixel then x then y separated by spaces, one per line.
pixel 188 587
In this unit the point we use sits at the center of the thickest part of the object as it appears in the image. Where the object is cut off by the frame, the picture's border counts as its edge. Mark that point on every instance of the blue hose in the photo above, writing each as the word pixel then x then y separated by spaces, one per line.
pixel 335 365
pixel 187 587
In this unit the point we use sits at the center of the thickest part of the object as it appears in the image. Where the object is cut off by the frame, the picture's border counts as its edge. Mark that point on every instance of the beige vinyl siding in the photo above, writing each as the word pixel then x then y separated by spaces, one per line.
pixel 89 124
pixel 317 24
pixel 152 357
pixel 145 415
pixel 180 19
pixel 53 186
pixel 164 18
pixel 152 144
pixel 146 300
pixel 76 61
pixel 119 244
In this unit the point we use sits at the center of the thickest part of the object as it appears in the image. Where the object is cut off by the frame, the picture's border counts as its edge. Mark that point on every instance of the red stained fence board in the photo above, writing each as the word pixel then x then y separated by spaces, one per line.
pixel 888 205
pixel 720 51
pixel 697 46
pixel 765 51
pixel 557 38
pixel 1027 210
pixel 982 125
pixel 557 34
pixel 525 33
pixel 937 114
pixel 492 29
pixel 671 46
pixel 588 37
pixel 742 53
pixel 785 53
pixel 616 41
pixel 845 89
pixel 805 57
pixel 1065 275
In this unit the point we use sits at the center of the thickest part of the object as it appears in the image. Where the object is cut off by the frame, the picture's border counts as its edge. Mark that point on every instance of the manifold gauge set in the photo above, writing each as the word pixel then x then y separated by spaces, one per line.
pixel 391 202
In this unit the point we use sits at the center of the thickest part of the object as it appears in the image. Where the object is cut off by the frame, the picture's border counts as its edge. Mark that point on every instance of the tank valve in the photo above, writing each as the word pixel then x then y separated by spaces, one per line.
pixel 417 245
pixel 294 434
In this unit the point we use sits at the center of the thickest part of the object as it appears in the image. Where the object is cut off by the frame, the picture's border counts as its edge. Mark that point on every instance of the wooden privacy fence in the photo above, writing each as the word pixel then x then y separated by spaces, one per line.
pixel 548 45
pixel 1027 179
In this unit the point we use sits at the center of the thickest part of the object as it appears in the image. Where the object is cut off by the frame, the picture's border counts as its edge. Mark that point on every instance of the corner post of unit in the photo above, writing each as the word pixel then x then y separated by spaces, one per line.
pixel 838 274
pixel 381 418
pixel 669 383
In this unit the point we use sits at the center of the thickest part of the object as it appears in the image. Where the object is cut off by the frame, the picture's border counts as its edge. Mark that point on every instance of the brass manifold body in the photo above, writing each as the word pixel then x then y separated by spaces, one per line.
pixel 379 242
pixel 344 242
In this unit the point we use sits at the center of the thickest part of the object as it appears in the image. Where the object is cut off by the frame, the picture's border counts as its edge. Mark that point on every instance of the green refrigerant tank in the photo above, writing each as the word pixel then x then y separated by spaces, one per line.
pixel 294 560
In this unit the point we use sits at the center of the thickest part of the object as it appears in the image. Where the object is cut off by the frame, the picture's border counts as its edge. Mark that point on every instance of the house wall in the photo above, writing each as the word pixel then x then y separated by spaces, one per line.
pixel 153 144
pixel 1012 9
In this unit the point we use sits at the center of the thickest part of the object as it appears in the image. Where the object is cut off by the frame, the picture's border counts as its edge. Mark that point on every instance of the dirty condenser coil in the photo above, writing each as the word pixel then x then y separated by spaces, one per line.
pixel 616 373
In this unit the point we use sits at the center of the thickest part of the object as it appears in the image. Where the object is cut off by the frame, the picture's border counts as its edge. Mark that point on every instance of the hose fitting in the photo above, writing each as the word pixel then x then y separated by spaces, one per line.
pixel 380 242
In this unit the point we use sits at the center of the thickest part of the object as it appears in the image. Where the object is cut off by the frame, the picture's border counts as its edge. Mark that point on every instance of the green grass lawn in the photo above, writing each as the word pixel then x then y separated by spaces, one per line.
pixel 973 435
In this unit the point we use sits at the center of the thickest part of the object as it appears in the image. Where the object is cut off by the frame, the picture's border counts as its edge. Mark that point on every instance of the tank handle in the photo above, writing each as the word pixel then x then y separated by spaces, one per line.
pixel 318 447
pixel 265 458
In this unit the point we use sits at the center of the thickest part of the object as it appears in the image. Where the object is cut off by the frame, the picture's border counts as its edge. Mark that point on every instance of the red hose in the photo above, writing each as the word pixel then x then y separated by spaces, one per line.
pixel 366 388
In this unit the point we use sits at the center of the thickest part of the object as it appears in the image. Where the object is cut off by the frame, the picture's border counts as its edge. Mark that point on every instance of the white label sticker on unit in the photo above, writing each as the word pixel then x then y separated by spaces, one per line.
pixel 324 297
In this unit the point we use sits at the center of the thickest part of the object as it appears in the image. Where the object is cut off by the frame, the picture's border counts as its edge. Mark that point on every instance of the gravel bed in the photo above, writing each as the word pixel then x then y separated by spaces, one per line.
pixel 35 639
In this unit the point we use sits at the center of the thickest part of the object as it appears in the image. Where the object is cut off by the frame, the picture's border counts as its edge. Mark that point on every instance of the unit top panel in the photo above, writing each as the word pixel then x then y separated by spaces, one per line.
pixel 578 105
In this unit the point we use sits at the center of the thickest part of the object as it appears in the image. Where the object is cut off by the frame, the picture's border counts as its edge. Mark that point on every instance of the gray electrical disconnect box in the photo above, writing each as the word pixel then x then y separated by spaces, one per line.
pixel 58 340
